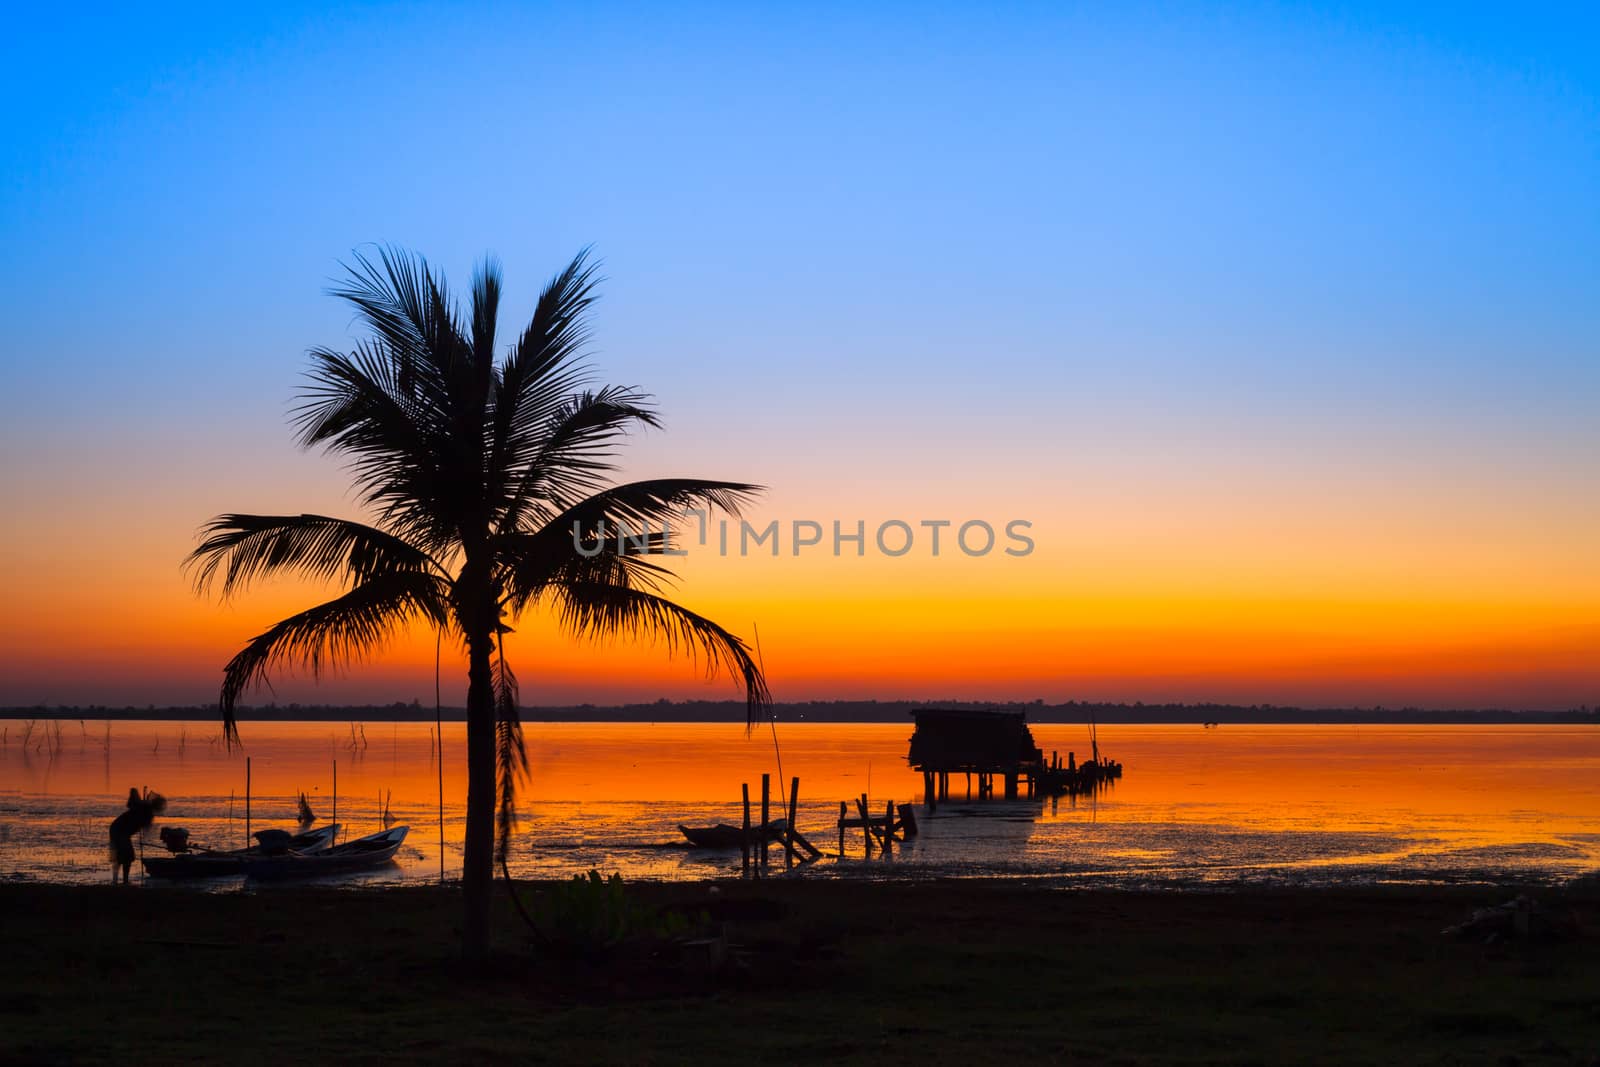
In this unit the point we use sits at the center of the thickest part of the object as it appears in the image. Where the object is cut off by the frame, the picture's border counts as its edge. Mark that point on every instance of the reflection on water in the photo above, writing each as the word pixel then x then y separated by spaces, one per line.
pixel 1283 804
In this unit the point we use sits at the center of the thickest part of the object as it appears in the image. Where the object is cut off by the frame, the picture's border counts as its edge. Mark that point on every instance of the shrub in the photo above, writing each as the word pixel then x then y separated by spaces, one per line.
pixel 591 914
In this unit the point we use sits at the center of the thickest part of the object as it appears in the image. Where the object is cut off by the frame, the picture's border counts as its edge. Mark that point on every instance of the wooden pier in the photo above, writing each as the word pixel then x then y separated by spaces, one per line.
pixel 880 831
pixel 995 746
pixel 754 839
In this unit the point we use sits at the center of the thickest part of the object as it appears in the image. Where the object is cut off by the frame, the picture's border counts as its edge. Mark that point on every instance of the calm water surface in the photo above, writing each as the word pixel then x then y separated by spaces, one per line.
pixel 1237 804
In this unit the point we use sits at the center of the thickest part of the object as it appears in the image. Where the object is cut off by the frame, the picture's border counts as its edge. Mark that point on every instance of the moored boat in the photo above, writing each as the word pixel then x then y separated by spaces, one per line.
pixel 188 861
pixel 724 836
pixel 374 850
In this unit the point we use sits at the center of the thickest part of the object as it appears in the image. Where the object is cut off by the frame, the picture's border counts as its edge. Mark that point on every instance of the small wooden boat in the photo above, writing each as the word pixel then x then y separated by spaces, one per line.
pixel 363 853
pixel 189 861
pixel 724 836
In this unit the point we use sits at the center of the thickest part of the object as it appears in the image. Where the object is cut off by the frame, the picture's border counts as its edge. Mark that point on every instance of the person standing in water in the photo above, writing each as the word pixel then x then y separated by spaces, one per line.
pixel 141 812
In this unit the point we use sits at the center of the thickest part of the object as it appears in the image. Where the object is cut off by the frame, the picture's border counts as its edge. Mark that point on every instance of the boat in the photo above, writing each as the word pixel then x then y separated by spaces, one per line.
pixel 363 853
pixel 724 836
pixel 187 861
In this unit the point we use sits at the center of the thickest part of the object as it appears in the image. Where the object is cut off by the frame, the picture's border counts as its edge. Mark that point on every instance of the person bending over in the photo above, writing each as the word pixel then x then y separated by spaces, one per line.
pixel 140 813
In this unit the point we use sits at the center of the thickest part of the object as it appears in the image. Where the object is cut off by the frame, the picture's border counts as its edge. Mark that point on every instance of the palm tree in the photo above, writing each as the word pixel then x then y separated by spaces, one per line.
pixel 487 481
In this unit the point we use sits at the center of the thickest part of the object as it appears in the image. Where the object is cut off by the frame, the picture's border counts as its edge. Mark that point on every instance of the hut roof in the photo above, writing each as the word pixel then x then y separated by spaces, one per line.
pixel 964 740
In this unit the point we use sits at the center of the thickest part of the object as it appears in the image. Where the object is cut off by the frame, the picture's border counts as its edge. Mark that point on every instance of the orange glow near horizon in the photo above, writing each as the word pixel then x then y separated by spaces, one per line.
pixel 1181 618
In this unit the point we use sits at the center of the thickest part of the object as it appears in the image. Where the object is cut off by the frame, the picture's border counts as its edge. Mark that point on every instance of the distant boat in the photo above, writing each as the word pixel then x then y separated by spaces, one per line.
pixel 196 862
pixel 363 853
pixel 724 836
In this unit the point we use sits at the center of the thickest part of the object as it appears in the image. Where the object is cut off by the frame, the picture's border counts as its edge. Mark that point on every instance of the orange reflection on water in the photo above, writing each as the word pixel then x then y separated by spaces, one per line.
pixel 1408 802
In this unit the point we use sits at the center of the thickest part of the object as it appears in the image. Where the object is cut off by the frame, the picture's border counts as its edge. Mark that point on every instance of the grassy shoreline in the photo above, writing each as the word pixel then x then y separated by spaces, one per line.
pixel 961 972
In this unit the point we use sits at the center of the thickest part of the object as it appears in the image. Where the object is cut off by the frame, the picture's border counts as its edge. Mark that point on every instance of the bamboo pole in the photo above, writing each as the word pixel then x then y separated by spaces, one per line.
pixel 247 802
pixel 438 718
pixel 336 801
pixel 803 845
pixel 744 841
pixel 842 812
pixel 788 831
pixel 766 807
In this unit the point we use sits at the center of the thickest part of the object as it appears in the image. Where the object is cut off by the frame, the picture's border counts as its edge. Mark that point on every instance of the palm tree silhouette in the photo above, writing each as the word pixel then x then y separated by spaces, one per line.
pixel 488 480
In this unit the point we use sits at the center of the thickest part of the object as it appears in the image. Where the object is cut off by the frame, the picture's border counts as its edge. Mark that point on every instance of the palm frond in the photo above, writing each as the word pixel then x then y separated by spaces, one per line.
pixel 389 295
pixel 648 518
pixel 575 451
pixel 511 753
pixel 544 368
pixel 243 548
pixel 404 302
pixel 553 341
pixel 334 633
pixel 597 610
pixel 368 397
pixel 534 564
pixel 651 514
pixel 640 505
pixel 393 425
pixel 410 408
pixel 486 287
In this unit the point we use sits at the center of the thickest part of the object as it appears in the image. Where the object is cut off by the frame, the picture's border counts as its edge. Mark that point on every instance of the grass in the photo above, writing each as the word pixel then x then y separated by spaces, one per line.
pixel 957 972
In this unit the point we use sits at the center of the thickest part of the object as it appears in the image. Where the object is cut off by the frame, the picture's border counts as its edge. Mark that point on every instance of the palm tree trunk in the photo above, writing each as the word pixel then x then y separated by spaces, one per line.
pixel 477 874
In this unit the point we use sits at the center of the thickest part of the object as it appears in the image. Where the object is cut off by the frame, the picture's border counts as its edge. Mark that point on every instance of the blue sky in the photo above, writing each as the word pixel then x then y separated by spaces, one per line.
pixel 1255 209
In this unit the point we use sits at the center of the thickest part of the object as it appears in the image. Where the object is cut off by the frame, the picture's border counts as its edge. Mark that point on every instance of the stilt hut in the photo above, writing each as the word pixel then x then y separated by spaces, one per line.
pixel 982 743
pixel 991 744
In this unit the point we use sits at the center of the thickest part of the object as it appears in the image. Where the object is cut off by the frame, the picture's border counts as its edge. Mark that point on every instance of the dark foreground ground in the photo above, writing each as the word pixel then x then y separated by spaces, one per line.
pixel 968 973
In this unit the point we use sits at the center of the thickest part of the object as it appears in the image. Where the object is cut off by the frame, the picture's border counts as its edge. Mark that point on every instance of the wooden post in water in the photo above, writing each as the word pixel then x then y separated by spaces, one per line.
pixel 766 795
pixel 888 829
pixel 744 842
pixel 788 831
pixel 928 799
pixel 866 825
pixel 336 801
pixel 842 810
pixel 247 802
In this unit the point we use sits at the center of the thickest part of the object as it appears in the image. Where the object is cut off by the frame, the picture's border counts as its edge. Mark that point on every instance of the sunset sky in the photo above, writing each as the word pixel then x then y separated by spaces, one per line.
pixel 1281 328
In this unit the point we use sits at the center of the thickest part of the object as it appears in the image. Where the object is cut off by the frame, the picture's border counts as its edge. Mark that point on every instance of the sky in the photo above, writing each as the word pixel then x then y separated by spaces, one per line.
pixel 1277 324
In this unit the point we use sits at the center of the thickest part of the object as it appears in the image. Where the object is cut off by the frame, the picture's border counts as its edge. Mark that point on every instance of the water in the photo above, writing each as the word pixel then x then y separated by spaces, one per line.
pixel 1312 805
